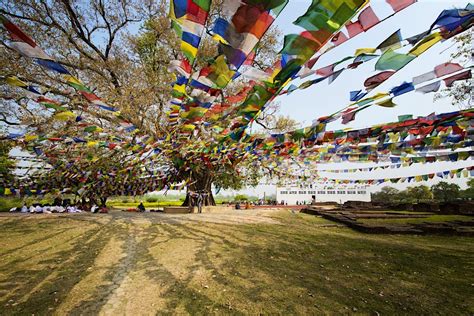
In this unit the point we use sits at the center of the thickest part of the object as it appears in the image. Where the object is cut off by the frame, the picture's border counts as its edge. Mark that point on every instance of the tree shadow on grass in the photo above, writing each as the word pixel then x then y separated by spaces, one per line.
pixel 51 293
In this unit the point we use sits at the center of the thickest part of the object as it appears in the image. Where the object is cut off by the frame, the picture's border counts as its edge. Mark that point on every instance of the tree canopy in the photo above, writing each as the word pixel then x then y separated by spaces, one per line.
pixel 130 97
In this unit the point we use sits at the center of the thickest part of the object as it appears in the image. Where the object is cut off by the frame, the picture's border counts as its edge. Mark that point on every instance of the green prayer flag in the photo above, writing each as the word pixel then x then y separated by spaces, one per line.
pixel 391 60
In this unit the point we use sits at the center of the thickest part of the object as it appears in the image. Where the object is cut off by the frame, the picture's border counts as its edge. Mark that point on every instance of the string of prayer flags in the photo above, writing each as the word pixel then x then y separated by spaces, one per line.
pixel 189 18
pixel 23 44
pixel 365 21
pixel 243 25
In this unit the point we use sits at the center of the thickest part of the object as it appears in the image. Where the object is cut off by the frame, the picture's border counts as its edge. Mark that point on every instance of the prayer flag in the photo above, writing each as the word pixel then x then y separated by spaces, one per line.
pixel 424 77
pixel 425 44
pixel 367 18
pixel 386 103
pixel 392 60
pixel 377 79
pixel 432 87
pixel 403 88
pixel 398 5
pixel 461 76
pixel 354 28
pixel 446 69
pixel 393 42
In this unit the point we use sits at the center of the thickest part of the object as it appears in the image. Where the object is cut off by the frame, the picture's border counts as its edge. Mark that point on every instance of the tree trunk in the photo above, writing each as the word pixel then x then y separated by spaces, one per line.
pixel 201 184
pixel 103 201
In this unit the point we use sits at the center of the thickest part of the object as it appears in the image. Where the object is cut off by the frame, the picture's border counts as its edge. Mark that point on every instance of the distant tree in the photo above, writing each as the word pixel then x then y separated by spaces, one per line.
pixel 419 193
pixel 386 194
pixel 469 192
pixel 470 183
pixel 445 192
pixel 241 197
pixel 6 164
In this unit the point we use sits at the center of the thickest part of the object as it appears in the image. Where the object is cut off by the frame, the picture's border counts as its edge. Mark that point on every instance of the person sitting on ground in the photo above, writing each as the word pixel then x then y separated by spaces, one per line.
pixel 104 209
pixel 24 209
pixel 47 208
pixel 141 207
pixel 94 209
pixel 38 208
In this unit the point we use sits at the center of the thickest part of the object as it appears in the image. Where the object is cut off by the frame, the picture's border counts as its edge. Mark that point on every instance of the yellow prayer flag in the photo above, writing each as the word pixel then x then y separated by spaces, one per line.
pixel 14 81
pixel 361 51
pixel 64 115
pixel 425 44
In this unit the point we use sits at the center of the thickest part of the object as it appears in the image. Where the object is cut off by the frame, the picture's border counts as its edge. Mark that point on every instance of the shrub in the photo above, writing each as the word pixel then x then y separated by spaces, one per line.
pixel 151 199
pixel 241 197
pixel 6 203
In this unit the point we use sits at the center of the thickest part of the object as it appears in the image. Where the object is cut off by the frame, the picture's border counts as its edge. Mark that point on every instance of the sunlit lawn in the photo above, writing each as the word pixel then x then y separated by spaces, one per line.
pixel 141 264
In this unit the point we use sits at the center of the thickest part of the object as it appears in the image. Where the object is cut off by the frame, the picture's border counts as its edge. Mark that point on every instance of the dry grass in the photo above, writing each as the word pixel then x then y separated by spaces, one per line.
pixel 144 264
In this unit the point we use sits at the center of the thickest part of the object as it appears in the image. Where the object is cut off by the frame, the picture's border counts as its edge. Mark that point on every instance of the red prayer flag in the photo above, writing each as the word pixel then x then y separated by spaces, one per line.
pixel 325 71
pixel 339 38
pixel 377 79
pixel 195 13
pixel 348 117
pixel 246 17
pixel 446 69
pixel 462 76
pixel 354 28
pixel 311 62
pixel 17 34
pixel 263 23
pixel 398 5
pixel 368 19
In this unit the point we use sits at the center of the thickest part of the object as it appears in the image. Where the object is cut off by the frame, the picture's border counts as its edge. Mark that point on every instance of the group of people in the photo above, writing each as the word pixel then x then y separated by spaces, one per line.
pixel 46 208
pixel 58 206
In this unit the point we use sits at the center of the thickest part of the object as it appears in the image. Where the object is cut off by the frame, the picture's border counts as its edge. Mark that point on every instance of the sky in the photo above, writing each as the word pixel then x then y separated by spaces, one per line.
pixel 322 99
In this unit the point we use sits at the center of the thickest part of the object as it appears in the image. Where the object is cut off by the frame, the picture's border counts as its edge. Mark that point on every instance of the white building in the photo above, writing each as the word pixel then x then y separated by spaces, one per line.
pixel 293 195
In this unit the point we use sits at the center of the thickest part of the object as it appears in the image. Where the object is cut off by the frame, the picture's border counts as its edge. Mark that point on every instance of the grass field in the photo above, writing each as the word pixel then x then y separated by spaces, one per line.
pixel 250 263
pixel 428 219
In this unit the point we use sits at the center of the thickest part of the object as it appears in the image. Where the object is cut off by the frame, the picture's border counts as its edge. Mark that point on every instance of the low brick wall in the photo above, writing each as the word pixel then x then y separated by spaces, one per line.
pixel 205 209
pixel 215 209
pixel 176 209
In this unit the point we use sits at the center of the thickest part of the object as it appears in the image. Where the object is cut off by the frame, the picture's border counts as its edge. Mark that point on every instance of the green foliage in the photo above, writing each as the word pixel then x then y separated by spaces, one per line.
pixel 445 192
pixel 151 199
pixel 6 164
pixel 241 197
pixel 6 203
pixel 420 193
pixel 469 192
pixel 470 183
pixel 386 194
pixel 228 178
pixel 415 194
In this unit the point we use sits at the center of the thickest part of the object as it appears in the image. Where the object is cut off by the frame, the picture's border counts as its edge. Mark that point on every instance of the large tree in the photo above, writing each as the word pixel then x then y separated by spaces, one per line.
pixel 121 51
